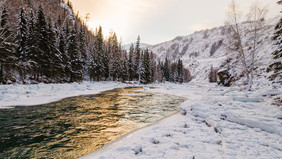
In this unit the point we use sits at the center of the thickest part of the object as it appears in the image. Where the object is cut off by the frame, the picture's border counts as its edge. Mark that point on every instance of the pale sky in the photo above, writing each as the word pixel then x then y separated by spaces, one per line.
pixel 158 21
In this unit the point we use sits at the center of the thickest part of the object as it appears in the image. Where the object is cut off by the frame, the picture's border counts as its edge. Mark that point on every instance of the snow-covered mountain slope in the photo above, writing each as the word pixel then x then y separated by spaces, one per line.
pixel 203 49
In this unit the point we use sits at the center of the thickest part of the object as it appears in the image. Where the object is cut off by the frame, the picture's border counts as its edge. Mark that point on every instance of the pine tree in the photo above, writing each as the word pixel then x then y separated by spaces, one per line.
pixel 7 57
pixel 158 72
pixel 146 72
pixel 42 50
pixel 21 36
pixel 276 66
pixel 92 63
pixel 124 69
pixel 56 64
pixel 137 61
pixel 31 49
pixel 76 63
pixel 173 72
pixel 65 57
pixel 99 55
pixel 179 71
pixel 166 71
pixel 65 39
pixel 131 72
pixel 115 58
pixel 21 42
pixel 152 67
pixel 82 42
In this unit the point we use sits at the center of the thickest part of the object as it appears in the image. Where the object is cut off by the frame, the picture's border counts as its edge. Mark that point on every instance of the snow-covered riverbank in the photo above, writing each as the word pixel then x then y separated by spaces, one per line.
pixel 13 95
pixel 215 122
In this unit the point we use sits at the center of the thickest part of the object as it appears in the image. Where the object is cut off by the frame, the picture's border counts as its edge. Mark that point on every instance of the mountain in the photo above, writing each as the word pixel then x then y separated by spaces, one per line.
pixel 203 49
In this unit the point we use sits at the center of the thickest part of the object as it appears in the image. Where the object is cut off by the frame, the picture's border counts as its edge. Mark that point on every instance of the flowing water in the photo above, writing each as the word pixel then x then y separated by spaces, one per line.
pixel 76 126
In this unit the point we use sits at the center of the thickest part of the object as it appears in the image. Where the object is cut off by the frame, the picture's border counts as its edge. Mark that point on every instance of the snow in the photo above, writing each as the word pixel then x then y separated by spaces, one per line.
pixel 141 45
pixel 214 121
pixel 211 124
pixel 195 49
pixel 65 6
pixel 22 95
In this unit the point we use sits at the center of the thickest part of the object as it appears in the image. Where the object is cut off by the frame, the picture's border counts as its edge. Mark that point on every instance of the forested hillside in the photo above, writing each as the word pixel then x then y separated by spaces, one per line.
pixel 45 41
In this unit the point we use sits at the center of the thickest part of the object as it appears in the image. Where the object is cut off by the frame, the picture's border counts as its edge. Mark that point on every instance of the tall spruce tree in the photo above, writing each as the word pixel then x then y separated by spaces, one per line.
pixel 173 72
pixel 21 36
pixel 21 43
pixel 97 66
pixel 276 65
pixel 131 72
pixel 65 38
pixel 116 58
pixel 56 62
pixel 82 42
pixel 137 60
pixel 7 56
pixel 146 71
pixel 152 65
pixel 76 63
pixel 42 48
pixel 179 71
pixel 124 69
pixel 92 63
pixel 31 49
pixel 166 70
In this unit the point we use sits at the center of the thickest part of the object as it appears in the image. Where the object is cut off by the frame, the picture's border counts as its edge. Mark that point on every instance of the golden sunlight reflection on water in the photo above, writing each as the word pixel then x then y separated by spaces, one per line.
pixel 76 126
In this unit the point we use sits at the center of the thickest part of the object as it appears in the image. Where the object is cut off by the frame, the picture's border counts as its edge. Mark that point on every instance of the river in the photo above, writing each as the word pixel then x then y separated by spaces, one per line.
pixel 76 126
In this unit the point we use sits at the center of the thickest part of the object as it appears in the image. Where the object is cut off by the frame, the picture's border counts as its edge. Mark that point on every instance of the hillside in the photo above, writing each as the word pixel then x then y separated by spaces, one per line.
pixel 203 49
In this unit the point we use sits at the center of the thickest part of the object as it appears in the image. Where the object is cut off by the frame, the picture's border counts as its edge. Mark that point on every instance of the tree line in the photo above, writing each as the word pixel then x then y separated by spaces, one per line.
pixel 40 49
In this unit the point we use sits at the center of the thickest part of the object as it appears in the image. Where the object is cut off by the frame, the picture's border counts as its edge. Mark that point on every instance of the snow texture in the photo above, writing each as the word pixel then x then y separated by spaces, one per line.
pixel 22 95
pixel 211 124
pixel 203 49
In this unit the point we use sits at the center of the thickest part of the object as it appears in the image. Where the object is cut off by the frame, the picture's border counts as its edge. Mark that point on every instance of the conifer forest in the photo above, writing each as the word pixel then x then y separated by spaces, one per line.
pixel 37 46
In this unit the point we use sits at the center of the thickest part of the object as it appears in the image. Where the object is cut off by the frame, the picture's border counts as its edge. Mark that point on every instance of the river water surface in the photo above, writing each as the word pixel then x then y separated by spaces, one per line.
pixel 76 126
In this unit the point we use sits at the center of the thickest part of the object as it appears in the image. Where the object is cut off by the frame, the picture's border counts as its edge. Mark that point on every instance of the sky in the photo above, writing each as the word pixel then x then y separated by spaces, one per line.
pixel 157 21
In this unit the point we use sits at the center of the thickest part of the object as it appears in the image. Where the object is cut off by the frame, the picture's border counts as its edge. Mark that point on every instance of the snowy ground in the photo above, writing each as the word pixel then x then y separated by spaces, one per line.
pixel 218 123
pixel 214 122
pixel 13 95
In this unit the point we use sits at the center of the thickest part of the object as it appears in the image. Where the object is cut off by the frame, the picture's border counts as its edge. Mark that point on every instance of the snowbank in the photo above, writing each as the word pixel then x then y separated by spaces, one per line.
pixel 211 125
pixel 214 122
pixel 23 95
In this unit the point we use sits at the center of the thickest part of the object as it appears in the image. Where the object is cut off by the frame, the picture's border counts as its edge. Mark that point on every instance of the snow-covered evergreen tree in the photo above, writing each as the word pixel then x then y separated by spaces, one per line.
pixel 56 63
pixel 7 56
pixel 76 63
pixel 31 54
pixel 137 60
pixel 179 71
pixel 152 67
pixel 21 43
pixel 146 71
pixel 42 48
pixel 131 72
pixel 115 61
pixel 21 36
pixel 166 70
pixel 276 65
pixel 124 69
